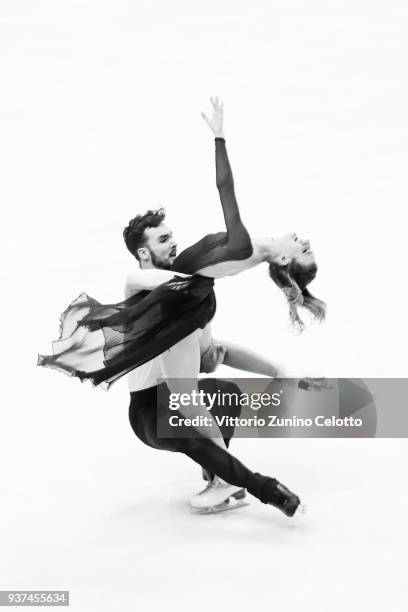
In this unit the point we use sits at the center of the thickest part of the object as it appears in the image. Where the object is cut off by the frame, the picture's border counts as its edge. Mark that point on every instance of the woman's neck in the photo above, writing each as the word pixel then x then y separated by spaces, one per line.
pixel 264 249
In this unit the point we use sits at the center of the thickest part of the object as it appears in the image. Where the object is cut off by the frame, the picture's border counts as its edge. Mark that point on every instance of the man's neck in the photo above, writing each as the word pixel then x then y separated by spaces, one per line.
pixel 147 266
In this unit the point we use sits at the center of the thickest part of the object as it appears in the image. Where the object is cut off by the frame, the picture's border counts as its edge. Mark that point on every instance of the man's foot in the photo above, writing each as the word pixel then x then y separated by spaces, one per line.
pixel 283 499
pixel 215 493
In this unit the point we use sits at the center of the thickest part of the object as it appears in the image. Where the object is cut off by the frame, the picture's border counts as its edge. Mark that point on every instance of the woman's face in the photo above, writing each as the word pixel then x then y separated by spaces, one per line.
pixel 291 247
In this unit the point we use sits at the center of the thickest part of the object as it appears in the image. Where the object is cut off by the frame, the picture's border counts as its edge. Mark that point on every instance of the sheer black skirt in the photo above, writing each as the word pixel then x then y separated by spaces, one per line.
pixel 102 342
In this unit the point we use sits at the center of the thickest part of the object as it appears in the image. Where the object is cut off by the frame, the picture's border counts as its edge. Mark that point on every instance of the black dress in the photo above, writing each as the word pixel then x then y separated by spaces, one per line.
pixel 102 342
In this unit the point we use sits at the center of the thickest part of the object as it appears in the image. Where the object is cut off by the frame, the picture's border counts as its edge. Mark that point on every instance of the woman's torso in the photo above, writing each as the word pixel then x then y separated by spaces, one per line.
pixel 213 257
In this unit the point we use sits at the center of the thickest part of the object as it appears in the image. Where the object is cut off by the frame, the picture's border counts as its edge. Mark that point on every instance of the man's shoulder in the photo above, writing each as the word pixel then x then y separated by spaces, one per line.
pixel 134 273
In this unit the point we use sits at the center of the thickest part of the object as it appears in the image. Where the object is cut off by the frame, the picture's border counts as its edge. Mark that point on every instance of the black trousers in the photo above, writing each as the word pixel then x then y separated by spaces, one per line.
pixel 145 410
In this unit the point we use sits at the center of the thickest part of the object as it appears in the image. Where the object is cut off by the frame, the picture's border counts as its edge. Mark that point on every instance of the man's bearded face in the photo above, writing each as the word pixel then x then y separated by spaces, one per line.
pixel 161 246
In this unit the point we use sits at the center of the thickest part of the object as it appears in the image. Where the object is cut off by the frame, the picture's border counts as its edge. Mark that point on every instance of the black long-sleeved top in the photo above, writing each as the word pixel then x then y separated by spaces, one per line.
pixel 235 243
pixel 148 323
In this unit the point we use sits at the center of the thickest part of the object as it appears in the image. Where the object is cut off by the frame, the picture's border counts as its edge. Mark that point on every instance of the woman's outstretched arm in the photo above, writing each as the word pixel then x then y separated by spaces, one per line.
pixel 217 255
pixel 224 178
pixel 225 186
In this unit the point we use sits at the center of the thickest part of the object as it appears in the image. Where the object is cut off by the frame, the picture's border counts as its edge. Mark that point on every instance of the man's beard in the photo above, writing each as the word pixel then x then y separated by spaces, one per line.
pixel 160 263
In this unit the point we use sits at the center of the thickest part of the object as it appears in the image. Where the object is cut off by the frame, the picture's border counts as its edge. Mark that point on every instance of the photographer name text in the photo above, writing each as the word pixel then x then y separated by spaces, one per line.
pixel 272 421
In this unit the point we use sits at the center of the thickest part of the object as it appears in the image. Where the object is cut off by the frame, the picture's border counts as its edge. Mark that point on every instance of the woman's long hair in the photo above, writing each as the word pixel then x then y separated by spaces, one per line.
pixel 293 279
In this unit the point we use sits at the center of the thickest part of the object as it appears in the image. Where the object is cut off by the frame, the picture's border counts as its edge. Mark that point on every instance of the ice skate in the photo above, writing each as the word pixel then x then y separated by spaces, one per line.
pixel 315 384
pixel 218 496
pixel 207 475
pixel 294 378
pixel 286 501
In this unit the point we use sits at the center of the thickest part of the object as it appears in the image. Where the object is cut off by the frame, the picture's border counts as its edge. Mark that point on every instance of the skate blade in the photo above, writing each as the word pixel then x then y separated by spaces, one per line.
pixel 223 507
pixel 301 509
pixel 315 384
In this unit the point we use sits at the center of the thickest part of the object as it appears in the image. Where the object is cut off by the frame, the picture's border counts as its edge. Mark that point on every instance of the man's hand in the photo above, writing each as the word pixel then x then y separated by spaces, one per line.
pixel 215 123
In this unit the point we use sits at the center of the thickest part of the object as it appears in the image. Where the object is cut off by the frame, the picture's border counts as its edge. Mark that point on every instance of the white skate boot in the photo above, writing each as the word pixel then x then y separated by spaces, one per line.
pixel 217 497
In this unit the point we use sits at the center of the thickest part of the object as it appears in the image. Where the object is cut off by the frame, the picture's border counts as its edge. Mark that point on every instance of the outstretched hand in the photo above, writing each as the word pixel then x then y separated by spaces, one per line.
pixel 215 123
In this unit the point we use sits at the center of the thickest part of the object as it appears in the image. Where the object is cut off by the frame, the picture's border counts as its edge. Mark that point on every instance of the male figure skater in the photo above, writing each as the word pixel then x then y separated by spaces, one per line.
pixel 152 243
pixel 153 246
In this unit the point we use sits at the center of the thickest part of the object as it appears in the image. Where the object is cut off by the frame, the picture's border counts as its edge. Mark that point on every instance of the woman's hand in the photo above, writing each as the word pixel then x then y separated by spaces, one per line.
pixel 212 357
pixel 215 123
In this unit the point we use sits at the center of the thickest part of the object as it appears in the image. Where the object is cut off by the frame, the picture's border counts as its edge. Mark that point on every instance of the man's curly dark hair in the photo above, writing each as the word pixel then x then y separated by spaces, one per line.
pixel 134 235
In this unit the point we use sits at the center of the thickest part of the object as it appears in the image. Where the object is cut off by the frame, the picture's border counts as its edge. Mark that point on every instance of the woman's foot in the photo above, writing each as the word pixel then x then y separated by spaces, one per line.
pixel 315 384
pixel 307 383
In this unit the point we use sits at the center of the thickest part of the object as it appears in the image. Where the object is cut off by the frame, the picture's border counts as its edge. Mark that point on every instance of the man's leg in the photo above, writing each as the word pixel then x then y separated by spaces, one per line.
pixel 144 411
pixel 220 462
pixel 183 360
pixel 143 419
pixel 230 408
pixel 216 460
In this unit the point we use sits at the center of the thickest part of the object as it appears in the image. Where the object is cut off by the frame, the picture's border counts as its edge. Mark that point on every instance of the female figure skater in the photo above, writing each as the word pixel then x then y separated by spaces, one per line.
pixel 146 325
pixel 141 327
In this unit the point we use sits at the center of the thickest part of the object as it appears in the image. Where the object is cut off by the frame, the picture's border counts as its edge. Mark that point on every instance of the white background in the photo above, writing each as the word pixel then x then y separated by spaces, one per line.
pixel 99 120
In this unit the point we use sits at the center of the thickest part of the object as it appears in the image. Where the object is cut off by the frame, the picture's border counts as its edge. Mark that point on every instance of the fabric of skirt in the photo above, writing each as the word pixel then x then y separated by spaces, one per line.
pixel 102 342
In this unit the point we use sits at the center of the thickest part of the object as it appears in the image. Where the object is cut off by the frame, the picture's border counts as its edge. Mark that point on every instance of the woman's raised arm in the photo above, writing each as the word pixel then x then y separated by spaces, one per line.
pixel 224 178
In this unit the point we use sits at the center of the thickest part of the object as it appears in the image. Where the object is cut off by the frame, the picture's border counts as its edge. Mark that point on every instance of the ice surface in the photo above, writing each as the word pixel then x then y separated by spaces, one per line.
pixel 99 120
pixel 87 507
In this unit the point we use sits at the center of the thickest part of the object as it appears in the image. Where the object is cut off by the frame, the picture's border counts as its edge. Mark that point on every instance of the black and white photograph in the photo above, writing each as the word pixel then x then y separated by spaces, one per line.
pixel 205 372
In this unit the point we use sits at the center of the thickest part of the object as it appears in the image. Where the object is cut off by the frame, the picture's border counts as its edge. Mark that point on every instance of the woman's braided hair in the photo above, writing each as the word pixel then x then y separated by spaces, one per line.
pixel 292 279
